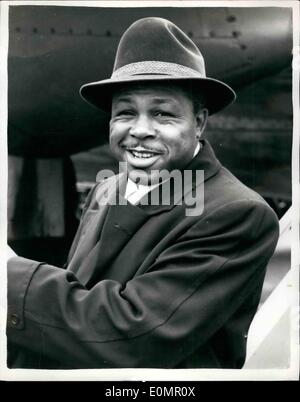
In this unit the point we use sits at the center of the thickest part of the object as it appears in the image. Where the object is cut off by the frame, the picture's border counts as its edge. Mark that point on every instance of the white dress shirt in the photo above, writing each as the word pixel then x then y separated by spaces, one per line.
pixel 134 192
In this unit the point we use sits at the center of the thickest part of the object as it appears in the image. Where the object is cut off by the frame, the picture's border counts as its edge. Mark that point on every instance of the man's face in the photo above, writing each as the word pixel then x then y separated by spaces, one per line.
pixel 153 128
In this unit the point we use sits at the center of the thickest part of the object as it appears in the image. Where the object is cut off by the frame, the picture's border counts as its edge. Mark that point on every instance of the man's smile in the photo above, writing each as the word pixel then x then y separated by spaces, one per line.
pixel 142 152
pixel 140 157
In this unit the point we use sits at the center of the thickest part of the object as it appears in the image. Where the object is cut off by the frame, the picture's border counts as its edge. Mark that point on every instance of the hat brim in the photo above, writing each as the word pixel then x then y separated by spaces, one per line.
pixel 216 94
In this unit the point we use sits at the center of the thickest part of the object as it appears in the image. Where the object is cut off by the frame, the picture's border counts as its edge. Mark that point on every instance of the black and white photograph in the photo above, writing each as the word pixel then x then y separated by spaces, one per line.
pixel 150 217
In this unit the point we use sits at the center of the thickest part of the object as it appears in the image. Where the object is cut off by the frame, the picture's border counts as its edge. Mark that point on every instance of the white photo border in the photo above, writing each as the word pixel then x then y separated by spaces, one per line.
pixel 292 373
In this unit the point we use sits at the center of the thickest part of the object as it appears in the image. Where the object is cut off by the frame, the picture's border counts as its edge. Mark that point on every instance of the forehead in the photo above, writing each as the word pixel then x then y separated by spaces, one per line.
pixel 154 92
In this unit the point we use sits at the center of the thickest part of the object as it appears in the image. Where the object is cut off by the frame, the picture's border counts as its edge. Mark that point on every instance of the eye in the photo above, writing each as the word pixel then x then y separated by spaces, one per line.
pixel 125 113
pixel 163 114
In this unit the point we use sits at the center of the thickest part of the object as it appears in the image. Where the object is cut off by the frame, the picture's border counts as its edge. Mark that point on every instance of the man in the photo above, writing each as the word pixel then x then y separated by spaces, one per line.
pixel 150 285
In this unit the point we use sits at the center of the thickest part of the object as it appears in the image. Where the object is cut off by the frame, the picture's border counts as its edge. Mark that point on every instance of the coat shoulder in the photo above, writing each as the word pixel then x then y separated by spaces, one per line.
pixel 225 188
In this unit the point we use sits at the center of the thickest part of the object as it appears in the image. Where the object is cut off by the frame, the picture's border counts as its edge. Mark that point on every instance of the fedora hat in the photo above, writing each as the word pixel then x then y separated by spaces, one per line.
pixel 155 49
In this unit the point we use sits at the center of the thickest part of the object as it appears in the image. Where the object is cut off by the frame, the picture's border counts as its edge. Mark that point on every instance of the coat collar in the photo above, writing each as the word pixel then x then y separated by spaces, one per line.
pixel 205 160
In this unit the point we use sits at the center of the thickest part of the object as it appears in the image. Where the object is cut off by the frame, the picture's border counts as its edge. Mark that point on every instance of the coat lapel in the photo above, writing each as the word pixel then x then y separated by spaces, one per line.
pixel 106 230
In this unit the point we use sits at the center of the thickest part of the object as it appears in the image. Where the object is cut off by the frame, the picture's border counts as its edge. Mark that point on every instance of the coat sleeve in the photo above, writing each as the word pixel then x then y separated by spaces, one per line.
pixel 189 292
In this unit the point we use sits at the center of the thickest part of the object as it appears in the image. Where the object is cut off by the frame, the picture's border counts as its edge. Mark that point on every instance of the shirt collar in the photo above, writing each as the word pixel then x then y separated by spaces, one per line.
pixel 197 149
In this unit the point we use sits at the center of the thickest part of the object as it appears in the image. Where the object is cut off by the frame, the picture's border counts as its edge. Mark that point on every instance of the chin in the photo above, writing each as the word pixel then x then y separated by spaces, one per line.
pixel 140 176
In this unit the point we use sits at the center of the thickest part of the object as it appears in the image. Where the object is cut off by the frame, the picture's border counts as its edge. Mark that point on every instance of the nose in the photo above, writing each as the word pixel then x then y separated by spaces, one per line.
pixel 142 127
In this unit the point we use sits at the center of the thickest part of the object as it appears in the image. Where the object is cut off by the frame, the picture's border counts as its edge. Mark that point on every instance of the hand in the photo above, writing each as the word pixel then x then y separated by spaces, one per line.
pixel 10 253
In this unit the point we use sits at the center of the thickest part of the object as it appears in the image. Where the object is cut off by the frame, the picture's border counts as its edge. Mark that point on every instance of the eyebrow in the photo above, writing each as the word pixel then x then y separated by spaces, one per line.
pixel 156 99
pixel 122 99
pixel 163 100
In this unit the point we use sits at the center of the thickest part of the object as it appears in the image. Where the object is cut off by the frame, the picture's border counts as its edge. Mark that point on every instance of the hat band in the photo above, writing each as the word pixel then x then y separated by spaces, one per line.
pixel 156 67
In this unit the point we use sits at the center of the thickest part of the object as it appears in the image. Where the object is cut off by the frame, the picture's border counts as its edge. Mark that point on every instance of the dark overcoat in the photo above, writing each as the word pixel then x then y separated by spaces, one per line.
pixel 147 285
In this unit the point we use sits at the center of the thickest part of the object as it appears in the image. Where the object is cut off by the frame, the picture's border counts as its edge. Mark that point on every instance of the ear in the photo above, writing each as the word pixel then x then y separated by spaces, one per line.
pixel 201 121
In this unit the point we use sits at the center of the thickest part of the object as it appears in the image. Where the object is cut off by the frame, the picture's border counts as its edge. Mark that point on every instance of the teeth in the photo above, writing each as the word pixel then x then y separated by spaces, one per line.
pixel 142 154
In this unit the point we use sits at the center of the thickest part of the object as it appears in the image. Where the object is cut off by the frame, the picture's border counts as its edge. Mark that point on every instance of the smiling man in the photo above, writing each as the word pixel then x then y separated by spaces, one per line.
pixel 148 285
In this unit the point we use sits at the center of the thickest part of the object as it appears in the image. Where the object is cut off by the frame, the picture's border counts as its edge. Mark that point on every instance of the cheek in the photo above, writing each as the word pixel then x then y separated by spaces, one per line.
pixel 114 140
pixel 116 132
pixel 181 140
pixel 181 147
